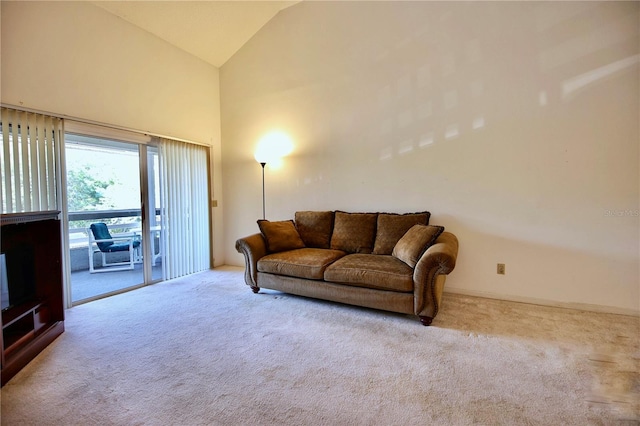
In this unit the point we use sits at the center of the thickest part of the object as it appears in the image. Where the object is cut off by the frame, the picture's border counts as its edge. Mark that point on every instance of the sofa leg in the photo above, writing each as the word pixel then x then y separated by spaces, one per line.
pixel 255 289
pixel 425 320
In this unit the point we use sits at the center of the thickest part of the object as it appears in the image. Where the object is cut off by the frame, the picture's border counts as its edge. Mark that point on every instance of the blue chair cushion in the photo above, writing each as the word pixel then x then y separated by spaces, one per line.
pixel 120 246
pixel 101 232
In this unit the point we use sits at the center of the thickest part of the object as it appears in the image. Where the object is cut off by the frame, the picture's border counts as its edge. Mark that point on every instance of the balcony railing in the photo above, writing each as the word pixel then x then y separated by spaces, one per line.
pixel 78 236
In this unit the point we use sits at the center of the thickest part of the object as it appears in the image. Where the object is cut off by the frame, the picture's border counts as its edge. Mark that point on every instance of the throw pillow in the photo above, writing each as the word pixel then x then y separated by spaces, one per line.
pixel 354 232
pixel 280 236
pixel 315 228
pixel 415 242
pixel 391 227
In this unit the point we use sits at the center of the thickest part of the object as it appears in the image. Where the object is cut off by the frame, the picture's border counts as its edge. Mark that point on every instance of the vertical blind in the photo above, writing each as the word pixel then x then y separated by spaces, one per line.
pixel 28 161
pixel 185 197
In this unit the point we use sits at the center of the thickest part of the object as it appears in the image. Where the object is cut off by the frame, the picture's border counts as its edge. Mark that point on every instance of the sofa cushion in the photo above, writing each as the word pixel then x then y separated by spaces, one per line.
pixel 391 227
pixel 307 263
pixel 315 228
pixel 371 271
pixel 280 236
pixel 415 242
pixel 354 232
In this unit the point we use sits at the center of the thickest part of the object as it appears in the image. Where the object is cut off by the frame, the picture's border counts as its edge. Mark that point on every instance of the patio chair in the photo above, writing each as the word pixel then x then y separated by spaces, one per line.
pixel 101 241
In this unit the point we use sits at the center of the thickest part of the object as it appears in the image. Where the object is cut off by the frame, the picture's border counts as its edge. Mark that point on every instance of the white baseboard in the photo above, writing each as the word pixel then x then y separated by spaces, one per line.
pixel 544 302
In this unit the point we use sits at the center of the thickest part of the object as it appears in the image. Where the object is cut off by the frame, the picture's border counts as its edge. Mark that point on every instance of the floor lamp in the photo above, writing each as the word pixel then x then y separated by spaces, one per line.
pixel 263 164
pixel 271 148
pixel 262 157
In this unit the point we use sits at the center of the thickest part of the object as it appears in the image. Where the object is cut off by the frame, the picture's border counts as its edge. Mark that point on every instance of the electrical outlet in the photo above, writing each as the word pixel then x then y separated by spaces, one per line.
pixel 500 269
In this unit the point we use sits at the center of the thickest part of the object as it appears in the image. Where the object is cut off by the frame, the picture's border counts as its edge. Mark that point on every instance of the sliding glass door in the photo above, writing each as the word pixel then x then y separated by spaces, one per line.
pixel 152 195
pixel 135 208
pixel 115 238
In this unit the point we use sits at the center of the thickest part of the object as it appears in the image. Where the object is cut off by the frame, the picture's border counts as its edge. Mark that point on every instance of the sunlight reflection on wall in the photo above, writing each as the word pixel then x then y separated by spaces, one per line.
pixel 437 98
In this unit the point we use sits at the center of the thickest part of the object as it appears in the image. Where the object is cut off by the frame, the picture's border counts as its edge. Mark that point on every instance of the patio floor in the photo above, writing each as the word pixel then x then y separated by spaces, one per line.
pixel 85 285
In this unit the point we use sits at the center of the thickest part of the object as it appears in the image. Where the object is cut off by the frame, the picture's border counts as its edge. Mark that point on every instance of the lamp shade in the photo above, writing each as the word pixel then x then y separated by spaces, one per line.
pixel 272 147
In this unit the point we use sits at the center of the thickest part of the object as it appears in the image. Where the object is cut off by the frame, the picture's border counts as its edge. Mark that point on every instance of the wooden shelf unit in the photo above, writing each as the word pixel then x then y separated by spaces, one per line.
pixel 33 323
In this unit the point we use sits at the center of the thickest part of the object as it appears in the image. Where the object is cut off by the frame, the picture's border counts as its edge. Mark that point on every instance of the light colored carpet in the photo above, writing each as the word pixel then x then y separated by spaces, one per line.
pixel 206 350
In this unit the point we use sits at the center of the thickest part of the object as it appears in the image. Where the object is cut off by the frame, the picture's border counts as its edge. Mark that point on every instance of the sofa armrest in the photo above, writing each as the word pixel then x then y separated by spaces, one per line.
pixel 430 273
pixel 253 248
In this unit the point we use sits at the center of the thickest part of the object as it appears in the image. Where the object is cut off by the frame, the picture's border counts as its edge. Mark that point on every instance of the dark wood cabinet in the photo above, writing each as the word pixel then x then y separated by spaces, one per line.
pixel 32 297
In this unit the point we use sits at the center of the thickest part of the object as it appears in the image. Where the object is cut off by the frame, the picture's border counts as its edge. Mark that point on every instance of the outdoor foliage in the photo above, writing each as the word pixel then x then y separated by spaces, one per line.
pixel 85 192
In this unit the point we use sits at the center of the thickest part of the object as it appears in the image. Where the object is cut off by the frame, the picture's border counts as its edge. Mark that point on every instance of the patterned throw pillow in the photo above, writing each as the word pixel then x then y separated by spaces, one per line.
pixel 315 228
pixel 391 227
pixel 280 236
pixel 354 232
pixel 415 242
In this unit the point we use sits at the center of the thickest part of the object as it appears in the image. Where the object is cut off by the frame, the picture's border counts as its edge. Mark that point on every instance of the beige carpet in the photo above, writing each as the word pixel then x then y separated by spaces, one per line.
pixel 205 350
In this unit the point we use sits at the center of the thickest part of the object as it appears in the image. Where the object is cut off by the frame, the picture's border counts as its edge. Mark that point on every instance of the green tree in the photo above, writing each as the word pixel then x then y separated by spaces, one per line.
pixel 85 192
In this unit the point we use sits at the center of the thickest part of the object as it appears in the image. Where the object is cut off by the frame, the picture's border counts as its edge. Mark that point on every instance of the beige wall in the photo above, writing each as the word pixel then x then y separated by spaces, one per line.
pixel 76 59
pixel 515 124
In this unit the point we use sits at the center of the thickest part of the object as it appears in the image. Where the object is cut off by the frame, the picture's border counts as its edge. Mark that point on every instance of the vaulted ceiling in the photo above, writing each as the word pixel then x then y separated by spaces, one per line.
pixel 211 30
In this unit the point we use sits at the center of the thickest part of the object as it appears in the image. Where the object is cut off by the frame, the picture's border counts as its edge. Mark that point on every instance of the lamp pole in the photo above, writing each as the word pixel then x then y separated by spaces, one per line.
pixel 263 215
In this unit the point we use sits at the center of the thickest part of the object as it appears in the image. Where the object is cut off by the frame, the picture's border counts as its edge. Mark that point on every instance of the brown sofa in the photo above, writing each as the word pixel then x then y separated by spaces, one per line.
pixel 393 262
